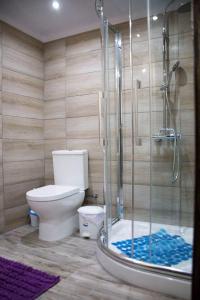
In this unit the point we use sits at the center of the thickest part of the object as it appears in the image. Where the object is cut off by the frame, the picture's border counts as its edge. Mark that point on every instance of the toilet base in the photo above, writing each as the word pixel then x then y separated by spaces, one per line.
pixel 50 230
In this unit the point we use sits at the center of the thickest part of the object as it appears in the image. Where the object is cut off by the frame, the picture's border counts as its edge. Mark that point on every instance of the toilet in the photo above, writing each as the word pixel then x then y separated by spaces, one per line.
pixel 56 205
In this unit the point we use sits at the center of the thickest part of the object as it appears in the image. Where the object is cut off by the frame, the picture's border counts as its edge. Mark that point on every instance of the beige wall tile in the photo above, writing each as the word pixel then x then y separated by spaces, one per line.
pixel 141 196
pixel 55 68
pixel 83 63
pixel 82 43
pixel 0 102
pixel 16 216
pixel 22 63
pixel 188 176
pixel 15 150
pixel 185 45
pixel 161 174
pixel 165 198
pixel 96 188
pixel 22 106
pixel 83 127
pixel 92 145
pixel 186 96
pixel 15 194
pixel 80 106
pixel 22 128
pixel 54 50
pixel 49 169
pixel 87 84
pixel 140 73
pixel 139 26
pixel 95 171
pixel 140 151
pixel 188 148
pixel 187 122
pixel 21 84
pixel 54 109
pixel 1 148
pixel 141 172
pixel 54 129
pixel 16 172
pixel 140 53
pixel 1 133
pixel 22 42
pixel 54 144
pixel 54 88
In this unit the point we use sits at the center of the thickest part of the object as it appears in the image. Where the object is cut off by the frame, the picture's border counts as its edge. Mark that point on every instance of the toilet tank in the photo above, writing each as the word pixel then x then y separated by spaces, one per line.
pixel 71 168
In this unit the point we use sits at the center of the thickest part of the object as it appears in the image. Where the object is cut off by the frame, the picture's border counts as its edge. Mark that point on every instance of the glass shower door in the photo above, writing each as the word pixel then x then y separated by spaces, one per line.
pixel 113 167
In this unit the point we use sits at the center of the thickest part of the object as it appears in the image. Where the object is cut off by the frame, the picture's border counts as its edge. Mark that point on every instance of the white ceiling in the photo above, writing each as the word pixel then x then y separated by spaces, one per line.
pixel 38 19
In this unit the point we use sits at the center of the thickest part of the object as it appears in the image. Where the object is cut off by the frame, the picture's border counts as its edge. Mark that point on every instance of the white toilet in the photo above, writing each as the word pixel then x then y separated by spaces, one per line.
pixel 56 205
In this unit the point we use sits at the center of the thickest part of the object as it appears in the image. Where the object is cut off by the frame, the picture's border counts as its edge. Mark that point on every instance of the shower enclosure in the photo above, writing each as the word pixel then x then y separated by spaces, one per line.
pixel 147 135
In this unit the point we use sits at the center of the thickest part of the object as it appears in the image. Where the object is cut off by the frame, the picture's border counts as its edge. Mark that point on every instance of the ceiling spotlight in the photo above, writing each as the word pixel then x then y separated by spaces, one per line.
pixel 155 18
pixel 138 35
pixel 144 70
pixel 56 5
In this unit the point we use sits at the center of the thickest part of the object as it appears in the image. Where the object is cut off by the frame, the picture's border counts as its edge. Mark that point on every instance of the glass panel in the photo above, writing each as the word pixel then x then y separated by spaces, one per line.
pixel 111 124
pixel 172 134
pixel 156 159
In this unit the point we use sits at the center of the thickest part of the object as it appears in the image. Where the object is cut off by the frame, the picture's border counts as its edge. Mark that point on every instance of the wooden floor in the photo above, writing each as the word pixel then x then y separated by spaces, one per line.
pixel 82 278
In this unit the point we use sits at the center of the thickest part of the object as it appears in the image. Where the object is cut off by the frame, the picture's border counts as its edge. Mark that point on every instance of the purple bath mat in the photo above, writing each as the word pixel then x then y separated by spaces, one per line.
pixel 21 282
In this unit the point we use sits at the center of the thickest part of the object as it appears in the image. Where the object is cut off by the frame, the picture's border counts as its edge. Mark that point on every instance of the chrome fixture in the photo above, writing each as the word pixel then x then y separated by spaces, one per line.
pixel 166 133
pixel 99 7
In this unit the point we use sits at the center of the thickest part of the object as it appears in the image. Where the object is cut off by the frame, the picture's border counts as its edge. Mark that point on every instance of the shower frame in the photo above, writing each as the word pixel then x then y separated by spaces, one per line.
pixel 104 102
pixel 106 256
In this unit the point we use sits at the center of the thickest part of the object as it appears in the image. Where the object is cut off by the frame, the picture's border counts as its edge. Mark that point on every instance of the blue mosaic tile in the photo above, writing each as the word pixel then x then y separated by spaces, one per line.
pixel 160 248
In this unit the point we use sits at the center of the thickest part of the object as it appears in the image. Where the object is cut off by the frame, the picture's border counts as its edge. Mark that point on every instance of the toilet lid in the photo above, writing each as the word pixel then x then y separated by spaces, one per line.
pixel 51 192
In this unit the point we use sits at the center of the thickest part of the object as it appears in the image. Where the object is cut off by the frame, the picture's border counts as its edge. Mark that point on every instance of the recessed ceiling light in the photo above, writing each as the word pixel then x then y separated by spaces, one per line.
pixel 155 18
pixel 144 70
pixel 56 5
pixel 138 35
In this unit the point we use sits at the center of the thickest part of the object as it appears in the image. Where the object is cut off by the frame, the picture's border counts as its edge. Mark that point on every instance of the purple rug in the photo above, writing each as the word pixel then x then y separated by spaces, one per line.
pixel 21 282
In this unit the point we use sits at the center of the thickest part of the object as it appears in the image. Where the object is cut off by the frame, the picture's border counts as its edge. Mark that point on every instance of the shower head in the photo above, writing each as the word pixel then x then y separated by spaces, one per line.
pixel 175 66
pixel 165 85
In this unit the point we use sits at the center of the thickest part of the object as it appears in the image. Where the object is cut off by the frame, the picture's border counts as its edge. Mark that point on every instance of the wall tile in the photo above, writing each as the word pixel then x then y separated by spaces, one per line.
pixel 82 43
pixel 87 84
pixel 49 169
pixel 22 63
pixel 54 88
pixel 16 172
pixel 16 216
pixel 54 109
pixel 54 129
pixel 22 128
pixel 15 150
pixel 83 63
pixel 22 42
pixel 96 171
pixel 55 68
pixel 54 144
pixel 84 127
pixel 15 194
pixel 92 145
pixel 1 131
pixel 54 50
pixel 21 84
pixel 80 106
pixel 22 106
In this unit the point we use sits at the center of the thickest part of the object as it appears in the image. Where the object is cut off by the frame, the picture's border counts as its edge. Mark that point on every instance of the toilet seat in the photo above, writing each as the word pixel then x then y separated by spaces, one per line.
pixel 51 192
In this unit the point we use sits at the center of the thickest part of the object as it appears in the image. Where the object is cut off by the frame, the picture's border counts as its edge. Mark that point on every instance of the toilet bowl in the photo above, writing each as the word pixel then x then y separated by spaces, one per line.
pixel 56 205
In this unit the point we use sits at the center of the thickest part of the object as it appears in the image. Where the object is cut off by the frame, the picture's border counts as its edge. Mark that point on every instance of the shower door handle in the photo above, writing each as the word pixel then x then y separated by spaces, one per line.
pixel 101 137
pixel 137 86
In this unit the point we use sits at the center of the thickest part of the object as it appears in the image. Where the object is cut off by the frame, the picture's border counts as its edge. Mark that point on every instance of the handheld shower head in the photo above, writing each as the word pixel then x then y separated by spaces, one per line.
pixel 175 66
